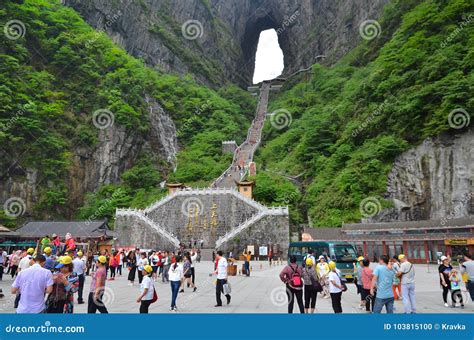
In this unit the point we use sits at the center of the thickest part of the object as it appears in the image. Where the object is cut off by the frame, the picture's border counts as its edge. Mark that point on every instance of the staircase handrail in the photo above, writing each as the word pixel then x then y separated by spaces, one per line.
pixel 272 211
pixel 139 213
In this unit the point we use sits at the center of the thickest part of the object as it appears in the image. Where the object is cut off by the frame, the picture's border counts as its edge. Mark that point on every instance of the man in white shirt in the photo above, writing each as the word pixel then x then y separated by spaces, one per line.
pixel 221 273
pixel 32 284
pixel 79 267
pixel 25 262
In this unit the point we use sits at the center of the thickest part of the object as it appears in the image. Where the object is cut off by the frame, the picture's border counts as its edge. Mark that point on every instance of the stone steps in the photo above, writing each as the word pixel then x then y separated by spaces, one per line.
pixel 206 254
pixel 243 155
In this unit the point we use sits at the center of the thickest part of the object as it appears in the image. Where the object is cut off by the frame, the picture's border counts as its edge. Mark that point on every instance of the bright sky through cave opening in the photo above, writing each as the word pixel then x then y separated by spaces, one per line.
pixel 269 57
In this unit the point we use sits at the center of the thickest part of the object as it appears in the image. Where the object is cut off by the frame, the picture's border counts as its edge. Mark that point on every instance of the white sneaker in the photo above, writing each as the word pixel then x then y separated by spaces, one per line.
pixel 446 305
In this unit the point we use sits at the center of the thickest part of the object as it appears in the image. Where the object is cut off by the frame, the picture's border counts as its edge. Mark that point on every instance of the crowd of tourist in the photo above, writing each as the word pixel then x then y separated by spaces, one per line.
pixel 51 277
pixel 391 279
pixel 47 278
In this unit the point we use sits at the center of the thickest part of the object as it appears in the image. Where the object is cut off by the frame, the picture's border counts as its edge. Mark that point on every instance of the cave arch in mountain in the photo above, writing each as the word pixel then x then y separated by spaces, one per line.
pixel 256 25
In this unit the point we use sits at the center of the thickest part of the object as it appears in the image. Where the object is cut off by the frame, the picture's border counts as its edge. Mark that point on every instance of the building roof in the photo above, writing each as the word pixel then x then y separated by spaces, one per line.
pixel 333 234
pixel 412 230
pixel 82 229
pixel 4 231
pixel 426 224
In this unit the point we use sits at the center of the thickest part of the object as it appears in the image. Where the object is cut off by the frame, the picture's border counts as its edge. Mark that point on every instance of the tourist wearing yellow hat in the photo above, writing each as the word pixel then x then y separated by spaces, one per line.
pixel 407 275
pixel 50 262
pixel 147 290
pixel 95 301
pixel 336 287
pixel 358 280
pixel 26 261
pixel 66 283
pixel 311 286
pixel 79 265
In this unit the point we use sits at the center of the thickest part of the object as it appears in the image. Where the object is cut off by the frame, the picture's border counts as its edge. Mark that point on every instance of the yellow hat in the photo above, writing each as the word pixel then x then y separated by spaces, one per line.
pixel 148 268
pixel 102 259
pixel 309 261
pixel 66 260
pixel 332 265
pixel 30 251
pixel 401 256
pixel 47 250
pixel 360 258
pixel 80 253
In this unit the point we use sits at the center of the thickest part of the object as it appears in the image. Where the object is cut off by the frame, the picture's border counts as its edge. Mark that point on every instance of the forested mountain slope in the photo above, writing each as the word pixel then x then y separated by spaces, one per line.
pixel 342 129
pixel 81 117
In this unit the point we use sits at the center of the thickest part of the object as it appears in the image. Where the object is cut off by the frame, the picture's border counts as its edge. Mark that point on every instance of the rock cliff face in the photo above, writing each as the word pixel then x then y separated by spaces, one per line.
pixel 435 180
pixel 116 152
pixel 221 38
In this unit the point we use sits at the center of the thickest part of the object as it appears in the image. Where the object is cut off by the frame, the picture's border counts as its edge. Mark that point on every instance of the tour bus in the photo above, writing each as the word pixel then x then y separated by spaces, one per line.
pixel 343 253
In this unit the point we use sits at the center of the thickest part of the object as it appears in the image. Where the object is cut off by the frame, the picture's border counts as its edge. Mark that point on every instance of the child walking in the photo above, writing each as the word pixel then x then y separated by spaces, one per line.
pixel 455 288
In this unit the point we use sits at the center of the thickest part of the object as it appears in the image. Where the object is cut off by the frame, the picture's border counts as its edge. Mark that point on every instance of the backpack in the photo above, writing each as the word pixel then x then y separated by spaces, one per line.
pixel 295 280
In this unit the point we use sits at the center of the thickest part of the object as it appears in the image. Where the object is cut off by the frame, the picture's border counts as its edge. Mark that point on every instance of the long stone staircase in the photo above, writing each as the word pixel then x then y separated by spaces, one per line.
pixel 220 216
pixel 243 155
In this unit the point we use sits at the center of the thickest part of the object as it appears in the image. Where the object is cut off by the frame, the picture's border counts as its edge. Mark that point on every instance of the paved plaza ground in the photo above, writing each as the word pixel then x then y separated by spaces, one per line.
pixel 262 292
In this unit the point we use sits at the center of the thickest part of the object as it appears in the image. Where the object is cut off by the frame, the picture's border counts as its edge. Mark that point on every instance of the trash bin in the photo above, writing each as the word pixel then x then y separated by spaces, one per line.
pixel 232 270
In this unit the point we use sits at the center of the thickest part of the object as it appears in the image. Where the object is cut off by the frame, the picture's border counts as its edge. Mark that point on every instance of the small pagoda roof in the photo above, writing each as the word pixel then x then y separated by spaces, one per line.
pixel 175 185
pixel 245 183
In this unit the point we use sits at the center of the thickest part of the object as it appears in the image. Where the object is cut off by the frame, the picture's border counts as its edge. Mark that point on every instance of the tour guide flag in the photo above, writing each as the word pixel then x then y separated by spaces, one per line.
pixel 237 326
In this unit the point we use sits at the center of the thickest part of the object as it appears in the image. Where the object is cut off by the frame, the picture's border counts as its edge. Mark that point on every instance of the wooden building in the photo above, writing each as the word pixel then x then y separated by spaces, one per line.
pixel 421 241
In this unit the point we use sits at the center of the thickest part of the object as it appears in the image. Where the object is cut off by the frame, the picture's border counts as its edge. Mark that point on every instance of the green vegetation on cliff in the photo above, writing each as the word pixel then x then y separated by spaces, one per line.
pixel 56 71
pixel 351 120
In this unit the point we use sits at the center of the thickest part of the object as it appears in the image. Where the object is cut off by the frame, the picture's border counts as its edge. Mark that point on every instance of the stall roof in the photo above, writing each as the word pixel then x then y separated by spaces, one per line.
pixel 4 231
pixel 333 234
pixel 83 229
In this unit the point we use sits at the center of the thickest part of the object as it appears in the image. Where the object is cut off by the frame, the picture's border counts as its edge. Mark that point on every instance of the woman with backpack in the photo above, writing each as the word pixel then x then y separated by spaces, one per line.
pixel 311 286
pixel 147 290
pixel 291 277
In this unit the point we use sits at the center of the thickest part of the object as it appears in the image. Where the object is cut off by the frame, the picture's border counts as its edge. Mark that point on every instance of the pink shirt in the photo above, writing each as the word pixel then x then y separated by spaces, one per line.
pixel 367 275
pixel 98 275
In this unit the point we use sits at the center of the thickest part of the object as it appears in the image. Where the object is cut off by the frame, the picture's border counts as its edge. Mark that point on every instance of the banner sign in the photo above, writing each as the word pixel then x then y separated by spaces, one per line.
pixel 226 326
